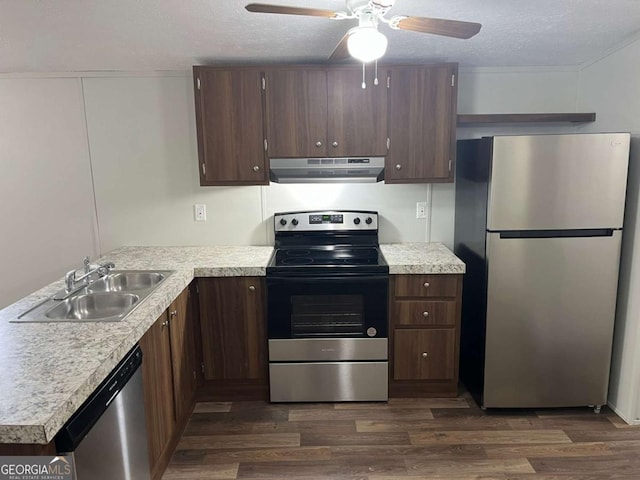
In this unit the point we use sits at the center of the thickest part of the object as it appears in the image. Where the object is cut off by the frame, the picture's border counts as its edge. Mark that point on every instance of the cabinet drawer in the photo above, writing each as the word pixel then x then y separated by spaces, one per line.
pixel 424 354
pixel 426 285
pixel 406 312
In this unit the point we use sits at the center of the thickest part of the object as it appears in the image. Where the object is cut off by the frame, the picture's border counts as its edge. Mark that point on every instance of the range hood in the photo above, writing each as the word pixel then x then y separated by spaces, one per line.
pixel 327 170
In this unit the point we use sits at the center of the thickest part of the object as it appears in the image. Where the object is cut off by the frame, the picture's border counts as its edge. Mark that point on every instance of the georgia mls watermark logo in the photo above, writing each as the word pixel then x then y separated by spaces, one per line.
pixel 36 468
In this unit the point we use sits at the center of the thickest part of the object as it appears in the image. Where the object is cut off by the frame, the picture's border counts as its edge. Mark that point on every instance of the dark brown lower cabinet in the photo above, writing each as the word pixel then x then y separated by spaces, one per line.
pixel 168 374
pixel 157 378
pixel 234 342
pixel 182 331
pixel 424 319
pixel 424 354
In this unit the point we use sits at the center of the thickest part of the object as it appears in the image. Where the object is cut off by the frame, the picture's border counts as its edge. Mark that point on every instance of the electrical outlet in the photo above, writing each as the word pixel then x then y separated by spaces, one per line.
pixel 421 210
pixel 200 213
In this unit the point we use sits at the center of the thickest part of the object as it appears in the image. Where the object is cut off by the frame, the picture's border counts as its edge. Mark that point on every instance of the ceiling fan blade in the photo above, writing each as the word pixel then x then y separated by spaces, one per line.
pixel 438 26
pixel 312 12
pixel 341 51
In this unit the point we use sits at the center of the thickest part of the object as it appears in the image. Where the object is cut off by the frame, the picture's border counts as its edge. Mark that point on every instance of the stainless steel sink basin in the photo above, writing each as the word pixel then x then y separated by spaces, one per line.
pixel 93 306
pixel 126 282
pixel 106 299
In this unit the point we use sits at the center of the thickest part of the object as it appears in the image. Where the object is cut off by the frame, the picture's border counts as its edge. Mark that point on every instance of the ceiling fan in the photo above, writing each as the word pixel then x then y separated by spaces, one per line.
pixel 365 42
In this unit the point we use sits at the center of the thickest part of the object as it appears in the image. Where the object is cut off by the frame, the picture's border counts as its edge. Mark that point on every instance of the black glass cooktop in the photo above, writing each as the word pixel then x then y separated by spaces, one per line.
pixel 309 260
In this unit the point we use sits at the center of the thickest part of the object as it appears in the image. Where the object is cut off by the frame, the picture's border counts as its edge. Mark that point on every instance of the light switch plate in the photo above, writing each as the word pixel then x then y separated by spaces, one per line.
pixel 200 213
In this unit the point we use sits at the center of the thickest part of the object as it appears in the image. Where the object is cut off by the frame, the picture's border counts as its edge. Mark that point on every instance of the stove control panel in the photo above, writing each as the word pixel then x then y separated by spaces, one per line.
pixel 316 219
pixel 325 221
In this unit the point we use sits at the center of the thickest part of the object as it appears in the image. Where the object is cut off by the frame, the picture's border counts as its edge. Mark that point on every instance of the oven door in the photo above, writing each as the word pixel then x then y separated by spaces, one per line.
pixel 327 307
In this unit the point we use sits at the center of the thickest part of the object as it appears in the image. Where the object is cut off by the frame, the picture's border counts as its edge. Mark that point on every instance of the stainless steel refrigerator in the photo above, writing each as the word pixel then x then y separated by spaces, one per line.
pixel 539 225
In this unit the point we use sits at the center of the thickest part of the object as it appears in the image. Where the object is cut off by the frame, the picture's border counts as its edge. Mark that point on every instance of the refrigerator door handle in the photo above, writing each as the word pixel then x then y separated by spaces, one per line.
pixel 576 233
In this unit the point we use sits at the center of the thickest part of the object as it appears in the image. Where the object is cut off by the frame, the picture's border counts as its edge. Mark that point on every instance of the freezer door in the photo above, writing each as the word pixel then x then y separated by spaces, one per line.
pixel 550 312
pixel 558 181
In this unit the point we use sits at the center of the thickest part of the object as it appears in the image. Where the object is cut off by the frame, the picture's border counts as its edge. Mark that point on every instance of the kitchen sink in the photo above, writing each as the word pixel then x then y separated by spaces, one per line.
pixel 126 282
pixel 93 306
pixel 108 298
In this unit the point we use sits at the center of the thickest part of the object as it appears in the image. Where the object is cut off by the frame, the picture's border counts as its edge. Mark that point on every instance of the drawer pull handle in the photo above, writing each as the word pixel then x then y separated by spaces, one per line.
pixel 252 288
pixel 425 354
pixel 425 314
pixel 426 284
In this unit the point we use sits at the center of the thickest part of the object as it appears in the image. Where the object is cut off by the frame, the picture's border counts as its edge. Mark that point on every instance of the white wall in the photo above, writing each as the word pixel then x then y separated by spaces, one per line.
pixel 143 148
pixel 610 87
pixel 396 205
pixel 46 198
pixel 516 90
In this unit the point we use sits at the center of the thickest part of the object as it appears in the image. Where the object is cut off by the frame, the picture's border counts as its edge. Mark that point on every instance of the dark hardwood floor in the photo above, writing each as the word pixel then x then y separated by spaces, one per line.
pixel 440 439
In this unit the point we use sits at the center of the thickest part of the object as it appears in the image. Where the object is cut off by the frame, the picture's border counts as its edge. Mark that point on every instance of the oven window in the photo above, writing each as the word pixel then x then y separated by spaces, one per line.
pixel 327 315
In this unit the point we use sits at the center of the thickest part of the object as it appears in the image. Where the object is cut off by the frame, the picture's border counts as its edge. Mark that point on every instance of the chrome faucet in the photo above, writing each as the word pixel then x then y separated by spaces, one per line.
pixel 70 280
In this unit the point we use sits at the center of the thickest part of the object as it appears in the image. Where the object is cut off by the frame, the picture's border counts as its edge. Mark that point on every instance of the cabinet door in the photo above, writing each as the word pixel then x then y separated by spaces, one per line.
pixel 296 102
pixel 229 121
pixel 424 354
pixel 158 388
pixel 357 117
pixel 181 327
pixel 232 322
pixel 422 115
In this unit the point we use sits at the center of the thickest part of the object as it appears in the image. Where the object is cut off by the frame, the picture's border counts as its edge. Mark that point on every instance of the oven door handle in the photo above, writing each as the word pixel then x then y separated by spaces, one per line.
pixel 326 279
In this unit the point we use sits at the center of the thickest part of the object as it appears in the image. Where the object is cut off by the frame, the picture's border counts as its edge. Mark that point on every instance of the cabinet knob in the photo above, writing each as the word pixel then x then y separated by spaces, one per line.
pixel 256 168
pixel 173 313
pixel 425 314
pixel 165 323
pixel 425 354
pixel 426 284
pixel 252 288
pixel 334 144
pixel 398 167
pixel 318 144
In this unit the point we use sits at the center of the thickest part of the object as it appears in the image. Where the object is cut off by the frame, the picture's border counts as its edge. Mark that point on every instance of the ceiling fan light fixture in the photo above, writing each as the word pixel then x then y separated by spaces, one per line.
pixel 366 44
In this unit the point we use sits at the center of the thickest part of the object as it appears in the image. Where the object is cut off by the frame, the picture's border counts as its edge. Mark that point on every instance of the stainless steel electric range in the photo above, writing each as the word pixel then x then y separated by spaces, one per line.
pixel 327 289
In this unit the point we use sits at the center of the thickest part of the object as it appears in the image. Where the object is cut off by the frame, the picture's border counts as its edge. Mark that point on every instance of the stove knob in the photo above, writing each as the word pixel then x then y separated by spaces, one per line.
pixel 356 221
pixel 368 221
pixel 294 222
pixel 283 222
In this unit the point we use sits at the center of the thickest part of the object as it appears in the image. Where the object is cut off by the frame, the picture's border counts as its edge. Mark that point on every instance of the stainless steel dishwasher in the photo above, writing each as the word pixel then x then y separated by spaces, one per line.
pixel 107 435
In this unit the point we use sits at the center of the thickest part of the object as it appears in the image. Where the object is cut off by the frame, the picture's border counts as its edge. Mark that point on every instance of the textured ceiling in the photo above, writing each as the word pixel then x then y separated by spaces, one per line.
pixel 141 35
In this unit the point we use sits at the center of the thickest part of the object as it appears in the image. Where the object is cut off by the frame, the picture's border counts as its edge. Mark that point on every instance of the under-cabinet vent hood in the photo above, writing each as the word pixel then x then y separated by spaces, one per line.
pixel 327 170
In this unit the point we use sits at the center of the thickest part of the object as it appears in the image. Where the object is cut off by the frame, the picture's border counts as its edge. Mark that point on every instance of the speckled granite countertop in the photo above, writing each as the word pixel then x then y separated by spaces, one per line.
pixel 420 258
pixel 49 369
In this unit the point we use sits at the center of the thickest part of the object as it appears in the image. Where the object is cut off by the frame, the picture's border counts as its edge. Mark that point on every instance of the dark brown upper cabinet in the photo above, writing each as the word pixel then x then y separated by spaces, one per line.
pixel 245 115
pixel 230 126
pixel 422 123
pixel 320 112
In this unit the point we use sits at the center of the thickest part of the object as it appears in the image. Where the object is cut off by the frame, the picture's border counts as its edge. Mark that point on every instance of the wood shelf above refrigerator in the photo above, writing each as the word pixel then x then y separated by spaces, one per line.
pixel 505 118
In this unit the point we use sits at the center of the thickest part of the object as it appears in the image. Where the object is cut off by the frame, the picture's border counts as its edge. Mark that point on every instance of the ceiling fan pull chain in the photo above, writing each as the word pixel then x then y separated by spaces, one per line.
pixel 375 80
pixel 364 83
